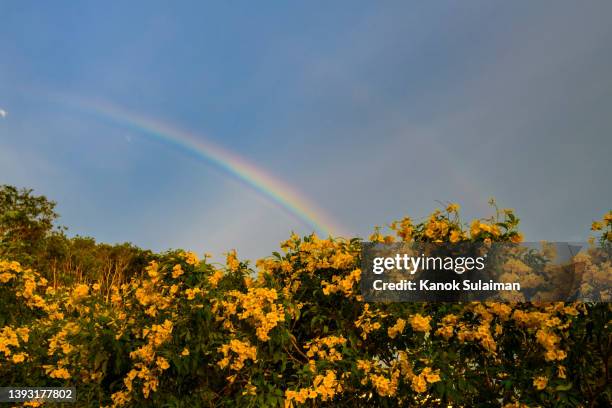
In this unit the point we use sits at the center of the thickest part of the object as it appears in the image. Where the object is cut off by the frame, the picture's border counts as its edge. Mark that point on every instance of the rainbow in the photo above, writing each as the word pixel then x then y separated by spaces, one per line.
pixel 274 189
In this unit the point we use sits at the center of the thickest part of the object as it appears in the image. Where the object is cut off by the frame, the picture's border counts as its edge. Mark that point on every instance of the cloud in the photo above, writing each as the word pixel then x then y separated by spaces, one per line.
pixel 373 114
pixel 521 116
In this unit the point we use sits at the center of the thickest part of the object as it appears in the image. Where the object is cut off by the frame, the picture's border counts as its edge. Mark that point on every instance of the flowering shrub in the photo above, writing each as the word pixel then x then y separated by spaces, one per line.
pixel 296 331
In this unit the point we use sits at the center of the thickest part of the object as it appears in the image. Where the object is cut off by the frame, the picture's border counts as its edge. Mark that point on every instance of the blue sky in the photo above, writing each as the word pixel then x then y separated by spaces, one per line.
pixel 372 110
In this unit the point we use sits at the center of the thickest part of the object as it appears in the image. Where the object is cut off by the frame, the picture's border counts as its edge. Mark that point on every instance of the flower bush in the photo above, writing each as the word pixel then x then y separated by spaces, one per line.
pixel 295 331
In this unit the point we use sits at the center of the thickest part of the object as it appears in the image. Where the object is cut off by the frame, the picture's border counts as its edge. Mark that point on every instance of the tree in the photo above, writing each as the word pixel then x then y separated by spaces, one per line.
pixel 25 221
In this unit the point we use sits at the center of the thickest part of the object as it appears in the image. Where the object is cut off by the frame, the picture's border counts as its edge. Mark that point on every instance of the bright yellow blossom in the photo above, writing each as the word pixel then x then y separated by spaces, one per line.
pixel 540 382
pixel 420 323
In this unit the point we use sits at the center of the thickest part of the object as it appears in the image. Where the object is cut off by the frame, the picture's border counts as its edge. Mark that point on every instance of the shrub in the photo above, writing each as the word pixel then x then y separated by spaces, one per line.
pixel 186 332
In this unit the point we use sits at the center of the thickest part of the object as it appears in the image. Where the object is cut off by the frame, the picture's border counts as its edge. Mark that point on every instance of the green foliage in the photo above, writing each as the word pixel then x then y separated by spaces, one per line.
pixel 25 222
pixel 182 332
pixel 28 235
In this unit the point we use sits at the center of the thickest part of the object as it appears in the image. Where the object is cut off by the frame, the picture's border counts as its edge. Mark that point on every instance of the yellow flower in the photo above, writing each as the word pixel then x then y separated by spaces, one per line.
pixel 376 236
pixel 6 276
pixel 398 328
pixel 24 333
pixel 364 365
pixel 342 260
pixel 364 322
pixel 59 373
pixel 455 236
pixel 384 386
pixel 191 258
pixel 540 382
pixel 291 243
pixel 430 375
pixel 596 226
pixel 250 389
pixel 260 309
pixel 185 352
pixel 475 228
pixel 562 373
pixel 191 293
pixel 120 398
pixel 324 348
pixel 404 228
pixel 445 331
pixel 215 278
pixel 242 351
pixel 80 291
pixel 419 384
pixel 420 323
pixel 453 208
pixel 177 271
pixel 19 358
pixel 162 363
pixel 152 270
pixel 232 261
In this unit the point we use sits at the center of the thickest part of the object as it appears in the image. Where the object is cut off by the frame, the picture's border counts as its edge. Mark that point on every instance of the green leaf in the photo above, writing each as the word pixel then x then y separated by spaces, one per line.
pixel 564 387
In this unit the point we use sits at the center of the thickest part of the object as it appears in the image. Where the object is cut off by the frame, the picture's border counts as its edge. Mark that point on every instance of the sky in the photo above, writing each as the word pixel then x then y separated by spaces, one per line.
pixel 368 111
